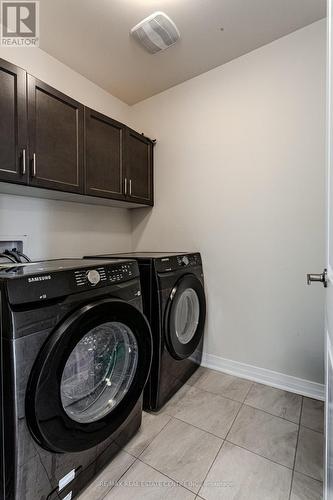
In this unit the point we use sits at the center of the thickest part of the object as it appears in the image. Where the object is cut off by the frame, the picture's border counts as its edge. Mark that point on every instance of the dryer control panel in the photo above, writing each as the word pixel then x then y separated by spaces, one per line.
pixel 177 262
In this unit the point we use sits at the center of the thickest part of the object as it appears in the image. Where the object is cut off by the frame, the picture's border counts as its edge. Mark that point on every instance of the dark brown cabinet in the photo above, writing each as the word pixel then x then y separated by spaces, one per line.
pixel 139 168
pixel 118 160
pixel 55 124
pixel 104 145
pixel 13 143
pixel 48 140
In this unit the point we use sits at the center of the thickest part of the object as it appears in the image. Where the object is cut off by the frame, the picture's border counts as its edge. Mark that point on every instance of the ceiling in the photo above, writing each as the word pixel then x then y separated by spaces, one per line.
pixel 92 37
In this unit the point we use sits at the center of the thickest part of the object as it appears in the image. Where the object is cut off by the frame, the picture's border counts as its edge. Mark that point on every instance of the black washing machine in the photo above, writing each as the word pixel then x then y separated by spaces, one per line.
pixel 75 356
pixel 174 302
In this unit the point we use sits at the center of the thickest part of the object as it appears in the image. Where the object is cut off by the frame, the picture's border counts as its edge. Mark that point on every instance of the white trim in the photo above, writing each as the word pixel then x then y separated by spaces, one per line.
pixel 264 376
pixel 328 365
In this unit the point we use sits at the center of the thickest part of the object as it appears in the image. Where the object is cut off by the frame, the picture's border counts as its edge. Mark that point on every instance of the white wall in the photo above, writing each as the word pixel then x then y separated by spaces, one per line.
pixel 54 228
pixel 45 67
pixel 240 177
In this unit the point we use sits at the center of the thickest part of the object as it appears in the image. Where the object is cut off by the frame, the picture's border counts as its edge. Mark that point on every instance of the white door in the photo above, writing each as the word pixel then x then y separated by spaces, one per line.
pixel 329 264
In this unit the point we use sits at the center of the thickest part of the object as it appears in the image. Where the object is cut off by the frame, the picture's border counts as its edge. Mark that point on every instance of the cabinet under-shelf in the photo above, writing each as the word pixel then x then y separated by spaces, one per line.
pixel 50 194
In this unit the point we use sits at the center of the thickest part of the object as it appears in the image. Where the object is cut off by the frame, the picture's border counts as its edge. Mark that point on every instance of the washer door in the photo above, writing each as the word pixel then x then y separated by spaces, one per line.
pixel 89 376
pixel 185 317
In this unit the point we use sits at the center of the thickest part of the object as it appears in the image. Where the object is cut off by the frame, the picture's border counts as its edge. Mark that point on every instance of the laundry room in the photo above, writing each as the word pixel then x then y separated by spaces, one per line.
pixel 165 244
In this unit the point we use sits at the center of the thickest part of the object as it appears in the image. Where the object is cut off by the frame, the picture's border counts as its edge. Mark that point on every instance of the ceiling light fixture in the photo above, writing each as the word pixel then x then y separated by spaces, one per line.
pixel 156 32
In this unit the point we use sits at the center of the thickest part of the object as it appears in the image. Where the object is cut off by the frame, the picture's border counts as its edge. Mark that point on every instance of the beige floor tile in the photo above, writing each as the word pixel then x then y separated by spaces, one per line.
pixel 151 425
pixel 309 457
pixel 182 452
pixel 238 474
pixel 210 412
pixel 223 384
pixel 143 482
pixel 305 488
pixel 197 375
pixel 108 476
pixel 275 401
pixel 172 406
pixel 313 414
pixel 269 436
pixel 178 446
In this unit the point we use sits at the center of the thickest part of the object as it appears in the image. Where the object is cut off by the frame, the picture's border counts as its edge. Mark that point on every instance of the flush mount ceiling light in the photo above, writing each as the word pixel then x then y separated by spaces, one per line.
pixel 156 32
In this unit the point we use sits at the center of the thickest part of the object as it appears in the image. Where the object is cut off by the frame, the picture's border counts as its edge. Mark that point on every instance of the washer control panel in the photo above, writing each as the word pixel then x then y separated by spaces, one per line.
pixel 106 275
pixel 120 273
pixel 47 280
pixel 183 261
pixel 93 276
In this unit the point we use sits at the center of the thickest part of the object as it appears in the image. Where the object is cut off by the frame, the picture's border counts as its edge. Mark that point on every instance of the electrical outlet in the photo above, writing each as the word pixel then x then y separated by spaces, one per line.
pixel 8 242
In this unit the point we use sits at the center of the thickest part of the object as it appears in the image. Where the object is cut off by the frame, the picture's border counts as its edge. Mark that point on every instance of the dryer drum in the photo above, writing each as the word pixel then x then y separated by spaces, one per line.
pixel 185 317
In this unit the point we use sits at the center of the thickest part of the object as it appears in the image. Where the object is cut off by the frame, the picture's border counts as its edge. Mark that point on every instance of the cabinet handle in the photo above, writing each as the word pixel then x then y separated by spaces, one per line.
pixel 24 161
pixel 130 187
pixel 125 186
pixel 34 165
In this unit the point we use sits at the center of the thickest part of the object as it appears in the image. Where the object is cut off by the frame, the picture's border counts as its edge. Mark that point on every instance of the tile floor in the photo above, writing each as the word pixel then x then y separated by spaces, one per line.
pixel 221 437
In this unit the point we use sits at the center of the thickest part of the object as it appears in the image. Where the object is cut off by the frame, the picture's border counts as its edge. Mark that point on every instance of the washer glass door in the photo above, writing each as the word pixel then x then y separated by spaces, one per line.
pixel 89 376
pixel 99 372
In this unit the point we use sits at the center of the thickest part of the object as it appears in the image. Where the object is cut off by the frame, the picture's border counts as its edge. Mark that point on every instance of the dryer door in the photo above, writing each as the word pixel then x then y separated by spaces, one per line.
pixel 89 376
pixel 185 316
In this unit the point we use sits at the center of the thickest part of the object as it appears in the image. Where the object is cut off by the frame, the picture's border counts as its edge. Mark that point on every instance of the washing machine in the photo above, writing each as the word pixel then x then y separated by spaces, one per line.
pixel 75 356
pixel 174 303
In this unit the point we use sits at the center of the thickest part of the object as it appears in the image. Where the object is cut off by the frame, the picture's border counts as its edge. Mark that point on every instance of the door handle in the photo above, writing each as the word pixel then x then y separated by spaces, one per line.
pixel 34 165
pixel 125 186
pixel 321 278
pixel 24 161
pixel 130 187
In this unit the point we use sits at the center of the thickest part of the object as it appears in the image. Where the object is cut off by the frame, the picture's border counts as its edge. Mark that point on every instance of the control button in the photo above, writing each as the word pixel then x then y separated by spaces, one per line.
pixel 93 277
pixel 185 261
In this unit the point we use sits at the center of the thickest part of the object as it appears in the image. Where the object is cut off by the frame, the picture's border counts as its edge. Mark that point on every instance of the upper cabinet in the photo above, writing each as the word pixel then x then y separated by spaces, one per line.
pixel 48 140
pixel 104 145
pixel 139 168
pixel 55 124
pixel 13 126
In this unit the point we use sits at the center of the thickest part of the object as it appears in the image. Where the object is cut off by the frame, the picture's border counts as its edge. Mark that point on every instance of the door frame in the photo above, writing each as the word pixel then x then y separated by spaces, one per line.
pixel 329 144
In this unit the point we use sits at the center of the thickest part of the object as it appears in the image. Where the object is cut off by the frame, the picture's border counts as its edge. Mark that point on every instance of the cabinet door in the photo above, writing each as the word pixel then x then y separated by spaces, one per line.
pixel 13 124
pixel 55 138
pixel 103 156
pixel 139 168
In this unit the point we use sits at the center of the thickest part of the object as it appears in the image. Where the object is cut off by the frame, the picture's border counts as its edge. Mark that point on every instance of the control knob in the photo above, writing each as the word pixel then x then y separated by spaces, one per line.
pixel 93 277
pixel 185 261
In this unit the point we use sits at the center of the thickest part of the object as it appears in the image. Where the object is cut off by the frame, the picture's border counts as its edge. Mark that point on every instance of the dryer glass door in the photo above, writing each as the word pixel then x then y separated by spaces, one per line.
pixel 89 376
pixel 185 316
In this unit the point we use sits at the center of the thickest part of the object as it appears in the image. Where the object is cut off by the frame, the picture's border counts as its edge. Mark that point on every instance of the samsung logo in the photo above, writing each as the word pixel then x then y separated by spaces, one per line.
pixel 39 278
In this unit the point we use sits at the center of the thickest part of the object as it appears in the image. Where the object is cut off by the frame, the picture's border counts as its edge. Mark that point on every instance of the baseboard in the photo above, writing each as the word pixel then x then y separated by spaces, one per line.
pixel 264 376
